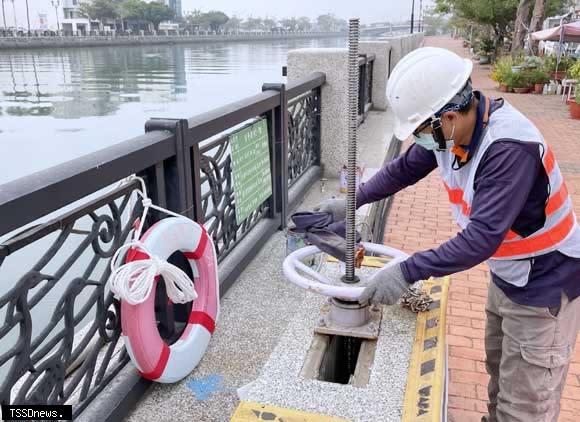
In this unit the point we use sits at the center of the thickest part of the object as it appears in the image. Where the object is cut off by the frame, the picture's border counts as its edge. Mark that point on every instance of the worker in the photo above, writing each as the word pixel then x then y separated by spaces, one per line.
pixel 509 198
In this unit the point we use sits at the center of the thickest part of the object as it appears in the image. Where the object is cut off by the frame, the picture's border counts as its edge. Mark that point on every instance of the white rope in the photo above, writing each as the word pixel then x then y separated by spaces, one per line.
pixel 133 282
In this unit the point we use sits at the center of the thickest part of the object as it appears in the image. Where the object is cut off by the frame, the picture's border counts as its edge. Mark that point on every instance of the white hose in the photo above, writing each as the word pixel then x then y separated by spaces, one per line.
pixel 323 285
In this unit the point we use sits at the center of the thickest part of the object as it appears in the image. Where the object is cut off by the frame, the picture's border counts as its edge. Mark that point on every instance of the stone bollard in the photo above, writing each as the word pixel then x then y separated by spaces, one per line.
pixel 334 111
pixel 334 119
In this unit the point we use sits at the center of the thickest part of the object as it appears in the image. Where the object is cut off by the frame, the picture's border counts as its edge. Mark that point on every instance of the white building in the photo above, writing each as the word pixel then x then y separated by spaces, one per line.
pixel 73 21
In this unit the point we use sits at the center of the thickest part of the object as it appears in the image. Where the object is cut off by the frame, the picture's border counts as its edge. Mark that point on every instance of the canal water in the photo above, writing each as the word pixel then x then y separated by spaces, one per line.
pixel 58 104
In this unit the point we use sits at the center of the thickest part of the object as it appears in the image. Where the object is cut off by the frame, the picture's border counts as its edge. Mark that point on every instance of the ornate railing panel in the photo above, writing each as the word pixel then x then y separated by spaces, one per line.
pixel 218 199
pixel 303 134
pixel 61 329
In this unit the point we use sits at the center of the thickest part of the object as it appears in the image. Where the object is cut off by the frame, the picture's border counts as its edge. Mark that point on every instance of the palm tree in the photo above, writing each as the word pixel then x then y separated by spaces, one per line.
pixel 28 17
pixel 14 11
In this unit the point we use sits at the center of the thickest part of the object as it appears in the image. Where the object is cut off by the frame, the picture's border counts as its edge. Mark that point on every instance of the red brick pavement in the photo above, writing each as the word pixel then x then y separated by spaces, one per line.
pixel 420 219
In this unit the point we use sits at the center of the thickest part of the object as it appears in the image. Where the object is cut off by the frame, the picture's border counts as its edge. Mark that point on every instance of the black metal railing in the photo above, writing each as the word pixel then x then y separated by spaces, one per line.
pixel 60 330
pixel 365 88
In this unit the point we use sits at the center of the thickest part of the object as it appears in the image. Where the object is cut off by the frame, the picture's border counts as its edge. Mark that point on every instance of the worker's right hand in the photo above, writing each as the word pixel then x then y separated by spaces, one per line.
pixel 335 206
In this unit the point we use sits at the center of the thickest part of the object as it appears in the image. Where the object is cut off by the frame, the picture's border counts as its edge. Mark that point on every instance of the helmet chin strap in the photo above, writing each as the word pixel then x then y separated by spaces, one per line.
pixel 438 135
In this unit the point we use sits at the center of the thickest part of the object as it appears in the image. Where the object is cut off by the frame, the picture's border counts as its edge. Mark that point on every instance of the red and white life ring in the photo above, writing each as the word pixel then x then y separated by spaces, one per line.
pixel 154 358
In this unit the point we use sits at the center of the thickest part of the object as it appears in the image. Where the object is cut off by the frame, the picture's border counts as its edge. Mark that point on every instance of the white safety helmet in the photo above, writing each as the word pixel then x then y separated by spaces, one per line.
pixel 422 83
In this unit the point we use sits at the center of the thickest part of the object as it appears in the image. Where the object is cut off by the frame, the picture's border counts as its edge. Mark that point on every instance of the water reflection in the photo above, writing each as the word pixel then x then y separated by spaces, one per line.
pixel 57 104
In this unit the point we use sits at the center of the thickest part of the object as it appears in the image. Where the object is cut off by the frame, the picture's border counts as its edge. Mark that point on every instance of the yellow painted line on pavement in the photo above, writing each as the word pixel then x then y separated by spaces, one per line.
pixel 252 412
pixel 426 377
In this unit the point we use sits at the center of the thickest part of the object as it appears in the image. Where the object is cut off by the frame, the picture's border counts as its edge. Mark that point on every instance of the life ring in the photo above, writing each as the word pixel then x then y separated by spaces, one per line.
pixel 155 359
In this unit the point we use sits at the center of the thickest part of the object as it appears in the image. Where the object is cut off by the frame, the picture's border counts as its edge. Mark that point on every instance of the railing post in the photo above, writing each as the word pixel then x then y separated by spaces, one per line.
pixel 362 100
pixel 318 114
pixel 370 81
pixel 178 194
pixel 279 166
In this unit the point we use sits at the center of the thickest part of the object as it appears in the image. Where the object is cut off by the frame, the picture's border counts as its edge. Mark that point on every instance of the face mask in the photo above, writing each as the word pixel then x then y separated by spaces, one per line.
pixel 427 141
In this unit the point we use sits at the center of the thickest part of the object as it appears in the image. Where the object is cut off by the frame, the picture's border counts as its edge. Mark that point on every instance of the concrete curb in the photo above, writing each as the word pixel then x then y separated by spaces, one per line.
pixel 18 43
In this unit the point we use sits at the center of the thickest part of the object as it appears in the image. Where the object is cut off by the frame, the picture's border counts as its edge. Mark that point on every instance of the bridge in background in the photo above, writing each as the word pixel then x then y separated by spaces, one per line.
pixel 387 28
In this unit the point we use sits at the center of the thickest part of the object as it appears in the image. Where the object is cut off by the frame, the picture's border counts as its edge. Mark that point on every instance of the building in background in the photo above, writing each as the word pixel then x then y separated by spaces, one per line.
pixel 73 21
pixel 175 5
pixel 575 9
pixel 42 21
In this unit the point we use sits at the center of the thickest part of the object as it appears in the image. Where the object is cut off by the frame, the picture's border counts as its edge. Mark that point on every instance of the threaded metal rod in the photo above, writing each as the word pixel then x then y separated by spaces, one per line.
pixel 353 91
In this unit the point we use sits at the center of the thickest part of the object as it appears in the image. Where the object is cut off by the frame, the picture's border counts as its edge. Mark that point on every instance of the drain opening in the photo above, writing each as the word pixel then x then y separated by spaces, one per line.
pixel 340 360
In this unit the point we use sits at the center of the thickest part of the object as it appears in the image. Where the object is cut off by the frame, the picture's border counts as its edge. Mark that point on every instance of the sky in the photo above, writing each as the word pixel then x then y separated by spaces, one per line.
pixel 367 10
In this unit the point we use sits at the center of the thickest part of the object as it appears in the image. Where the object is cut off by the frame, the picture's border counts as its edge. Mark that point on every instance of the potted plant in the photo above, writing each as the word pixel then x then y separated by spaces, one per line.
pixel 574 71
pixel 575 108
pixel 486 49
pixel 532 62
pixel 551 64
pixel 502 70
pixel 519 82
pixel 538 78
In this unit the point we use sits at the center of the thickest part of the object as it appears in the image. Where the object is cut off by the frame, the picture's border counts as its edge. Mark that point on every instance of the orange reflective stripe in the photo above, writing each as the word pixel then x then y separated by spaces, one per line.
pixel 511 235
pixel 549 161
pixel 537 243
pixel 456 198
pixel 557 200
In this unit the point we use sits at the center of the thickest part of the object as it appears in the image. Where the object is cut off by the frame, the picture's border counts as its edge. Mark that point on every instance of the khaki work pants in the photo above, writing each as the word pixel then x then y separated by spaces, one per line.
pixel 528 353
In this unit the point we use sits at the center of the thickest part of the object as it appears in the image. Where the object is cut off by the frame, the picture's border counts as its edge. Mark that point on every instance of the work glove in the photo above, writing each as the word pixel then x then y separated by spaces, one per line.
pixel 334 206
pixel 386 286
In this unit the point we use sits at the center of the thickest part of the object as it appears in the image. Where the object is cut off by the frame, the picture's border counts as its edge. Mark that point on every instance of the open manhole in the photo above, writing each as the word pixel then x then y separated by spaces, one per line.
pixel 340 359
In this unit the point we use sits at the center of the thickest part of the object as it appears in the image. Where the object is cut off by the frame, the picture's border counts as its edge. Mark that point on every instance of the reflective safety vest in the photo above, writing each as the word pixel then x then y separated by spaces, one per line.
pixel 513 260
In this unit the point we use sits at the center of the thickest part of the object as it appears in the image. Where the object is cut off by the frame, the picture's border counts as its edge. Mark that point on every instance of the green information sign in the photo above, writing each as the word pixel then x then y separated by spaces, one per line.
pixel 251 168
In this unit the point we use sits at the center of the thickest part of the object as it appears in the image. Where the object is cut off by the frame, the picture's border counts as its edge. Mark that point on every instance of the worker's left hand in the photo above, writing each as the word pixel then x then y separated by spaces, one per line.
pixel 386 286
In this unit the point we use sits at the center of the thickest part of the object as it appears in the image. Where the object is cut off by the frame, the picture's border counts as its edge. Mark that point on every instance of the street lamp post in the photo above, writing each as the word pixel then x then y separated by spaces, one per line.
pixel 28 17
pixel 15 21
pixel 4 15
pixel 412 16
pixel 420 15
pixel 55 4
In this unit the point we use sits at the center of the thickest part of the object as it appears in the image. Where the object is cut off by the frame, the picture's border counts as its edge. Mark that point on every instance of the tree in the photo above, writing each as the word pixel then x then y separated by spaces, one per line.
pixel 538 15
pixel 520 29
pixel 233 24
pixel 133 10
pixel 269 23
pixel 252 23
pixel 327 23
pixel 156 13
pixel 289 23
pixel 195 20
pixel 100 10
pixel 215 19
pixel 434 22
pixel 497 15
pixel 304 24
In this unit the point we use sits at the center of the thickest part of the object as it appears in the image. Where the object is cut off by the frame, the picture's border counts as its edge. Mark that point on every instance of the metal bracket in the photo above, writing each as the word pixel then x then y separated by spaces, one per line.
pixel 368 330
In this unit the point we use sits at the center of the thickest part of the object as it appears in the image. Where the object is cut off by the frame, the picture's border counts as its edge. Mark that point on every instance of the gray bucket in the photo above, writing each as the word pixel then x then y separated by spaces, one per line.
pixel 295 241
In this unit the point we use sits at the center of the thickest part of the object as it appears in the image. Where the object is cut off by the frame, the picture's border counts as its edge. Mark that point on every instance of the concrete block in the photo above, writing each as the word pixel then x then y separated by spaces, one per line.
pixel 334 121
